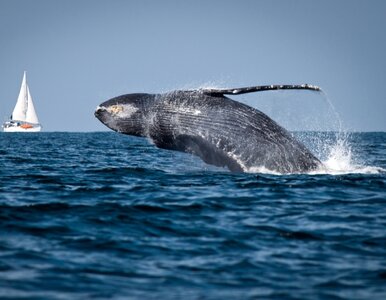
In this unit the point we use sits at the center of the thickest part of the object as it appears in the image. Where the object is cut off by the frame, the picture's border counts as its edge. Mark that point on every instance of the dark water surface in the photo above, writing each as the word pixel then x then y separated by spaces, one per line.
pixel 102 215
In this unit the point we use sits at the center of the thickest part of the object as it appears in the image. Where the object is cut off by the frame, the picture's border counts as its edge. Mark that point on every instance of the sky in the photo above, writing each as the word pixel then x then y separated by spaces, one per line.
pixel 79 53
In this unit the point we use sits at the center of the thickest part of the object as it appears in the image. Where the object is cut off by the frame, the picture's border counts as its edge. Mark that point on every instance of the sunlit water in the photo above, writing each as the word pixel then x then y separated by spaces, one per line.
pixel 103 215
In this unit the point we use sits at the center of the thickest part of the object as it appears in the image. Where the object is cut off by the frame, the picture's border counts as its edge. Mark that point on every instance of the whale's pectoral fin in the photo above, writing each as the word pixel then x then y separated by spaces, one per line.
pixel 200 147
pixel 259 88
pixel 207 152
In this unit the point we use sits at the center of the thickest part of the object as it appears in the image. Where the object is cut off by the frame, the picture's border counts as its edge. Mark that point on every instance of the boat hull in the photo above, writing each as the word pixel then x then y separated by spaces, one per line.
pixel 21 129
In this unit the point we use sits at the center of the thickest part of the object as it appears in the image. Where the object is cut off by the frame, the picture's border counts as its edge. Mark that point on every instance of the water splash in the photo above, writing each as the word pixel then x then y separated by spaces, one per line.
pixel 341 160
pixel 201 85
pixel 340 157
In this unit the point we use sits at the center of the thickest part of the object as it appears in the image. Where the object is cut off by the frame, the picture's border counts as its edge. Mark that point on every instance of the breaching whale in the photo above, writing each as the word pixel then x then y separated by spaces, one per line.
pixel 206 123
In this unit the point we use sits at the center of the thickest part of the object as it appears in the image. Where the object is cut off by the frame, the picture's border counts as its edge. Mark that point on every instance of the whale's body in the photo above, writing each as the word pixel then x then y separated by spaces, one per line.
pixel 219 130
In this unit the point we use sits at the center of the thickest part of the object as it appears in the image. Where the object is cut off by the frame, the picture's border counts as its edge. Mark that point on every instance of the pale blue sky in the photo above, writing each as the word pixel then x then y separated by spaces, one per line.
pixel 78 53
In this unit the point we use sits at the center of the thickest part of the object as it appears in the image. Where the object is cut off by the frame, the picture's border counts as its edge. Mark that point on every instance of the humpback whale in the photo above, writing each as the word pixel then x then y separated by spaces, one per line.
pixel 208 124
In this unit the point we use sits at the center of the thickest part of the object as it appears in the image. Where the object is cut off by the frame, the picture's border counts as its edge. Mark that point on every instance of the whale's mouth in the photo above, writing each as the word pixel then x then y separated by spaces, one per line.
pixel 103 115
pixel 99 111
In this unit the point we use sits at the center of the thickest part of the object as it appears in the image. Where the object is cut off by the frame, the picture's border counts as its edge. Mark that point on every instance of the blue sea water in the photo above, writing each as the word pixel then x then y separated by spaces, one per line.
pixel 107 216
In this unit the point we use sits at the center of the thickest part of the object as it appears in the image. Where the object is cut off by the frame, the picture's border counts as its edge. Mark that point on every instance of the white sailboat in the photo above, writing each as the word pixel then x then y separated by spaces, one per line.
pixel 23 118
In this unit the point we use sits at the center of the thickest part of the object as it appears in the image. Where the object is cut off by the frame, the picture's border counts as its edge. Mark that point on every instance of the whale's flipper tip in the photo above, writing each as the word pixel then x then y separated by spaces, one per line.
pixel 312 87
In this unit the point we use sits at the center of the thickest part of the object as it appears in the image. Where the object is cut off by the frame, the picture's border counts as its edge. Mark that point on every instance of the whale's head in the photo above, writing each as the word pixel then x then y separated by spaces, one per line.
pixel 126 114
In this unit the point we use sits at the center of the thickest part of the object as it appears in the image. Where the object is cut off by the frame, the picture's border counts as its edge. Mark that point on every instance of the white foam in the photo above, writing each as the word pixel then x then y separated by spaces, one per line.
pixel 352 169
pixel 262 170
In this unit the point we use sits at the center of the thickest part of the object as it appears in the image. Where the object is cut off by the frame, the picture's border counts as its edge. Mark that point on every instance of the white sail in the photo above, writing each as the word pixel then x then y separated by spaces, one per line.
pixel 24 109
pixel 31 116
pixel 20 111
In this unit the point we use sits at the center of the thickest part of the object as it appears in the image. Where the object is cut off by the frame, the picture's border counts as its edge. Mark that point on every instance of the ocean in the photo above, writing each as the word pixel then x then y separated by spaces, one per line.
pixel 107 216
